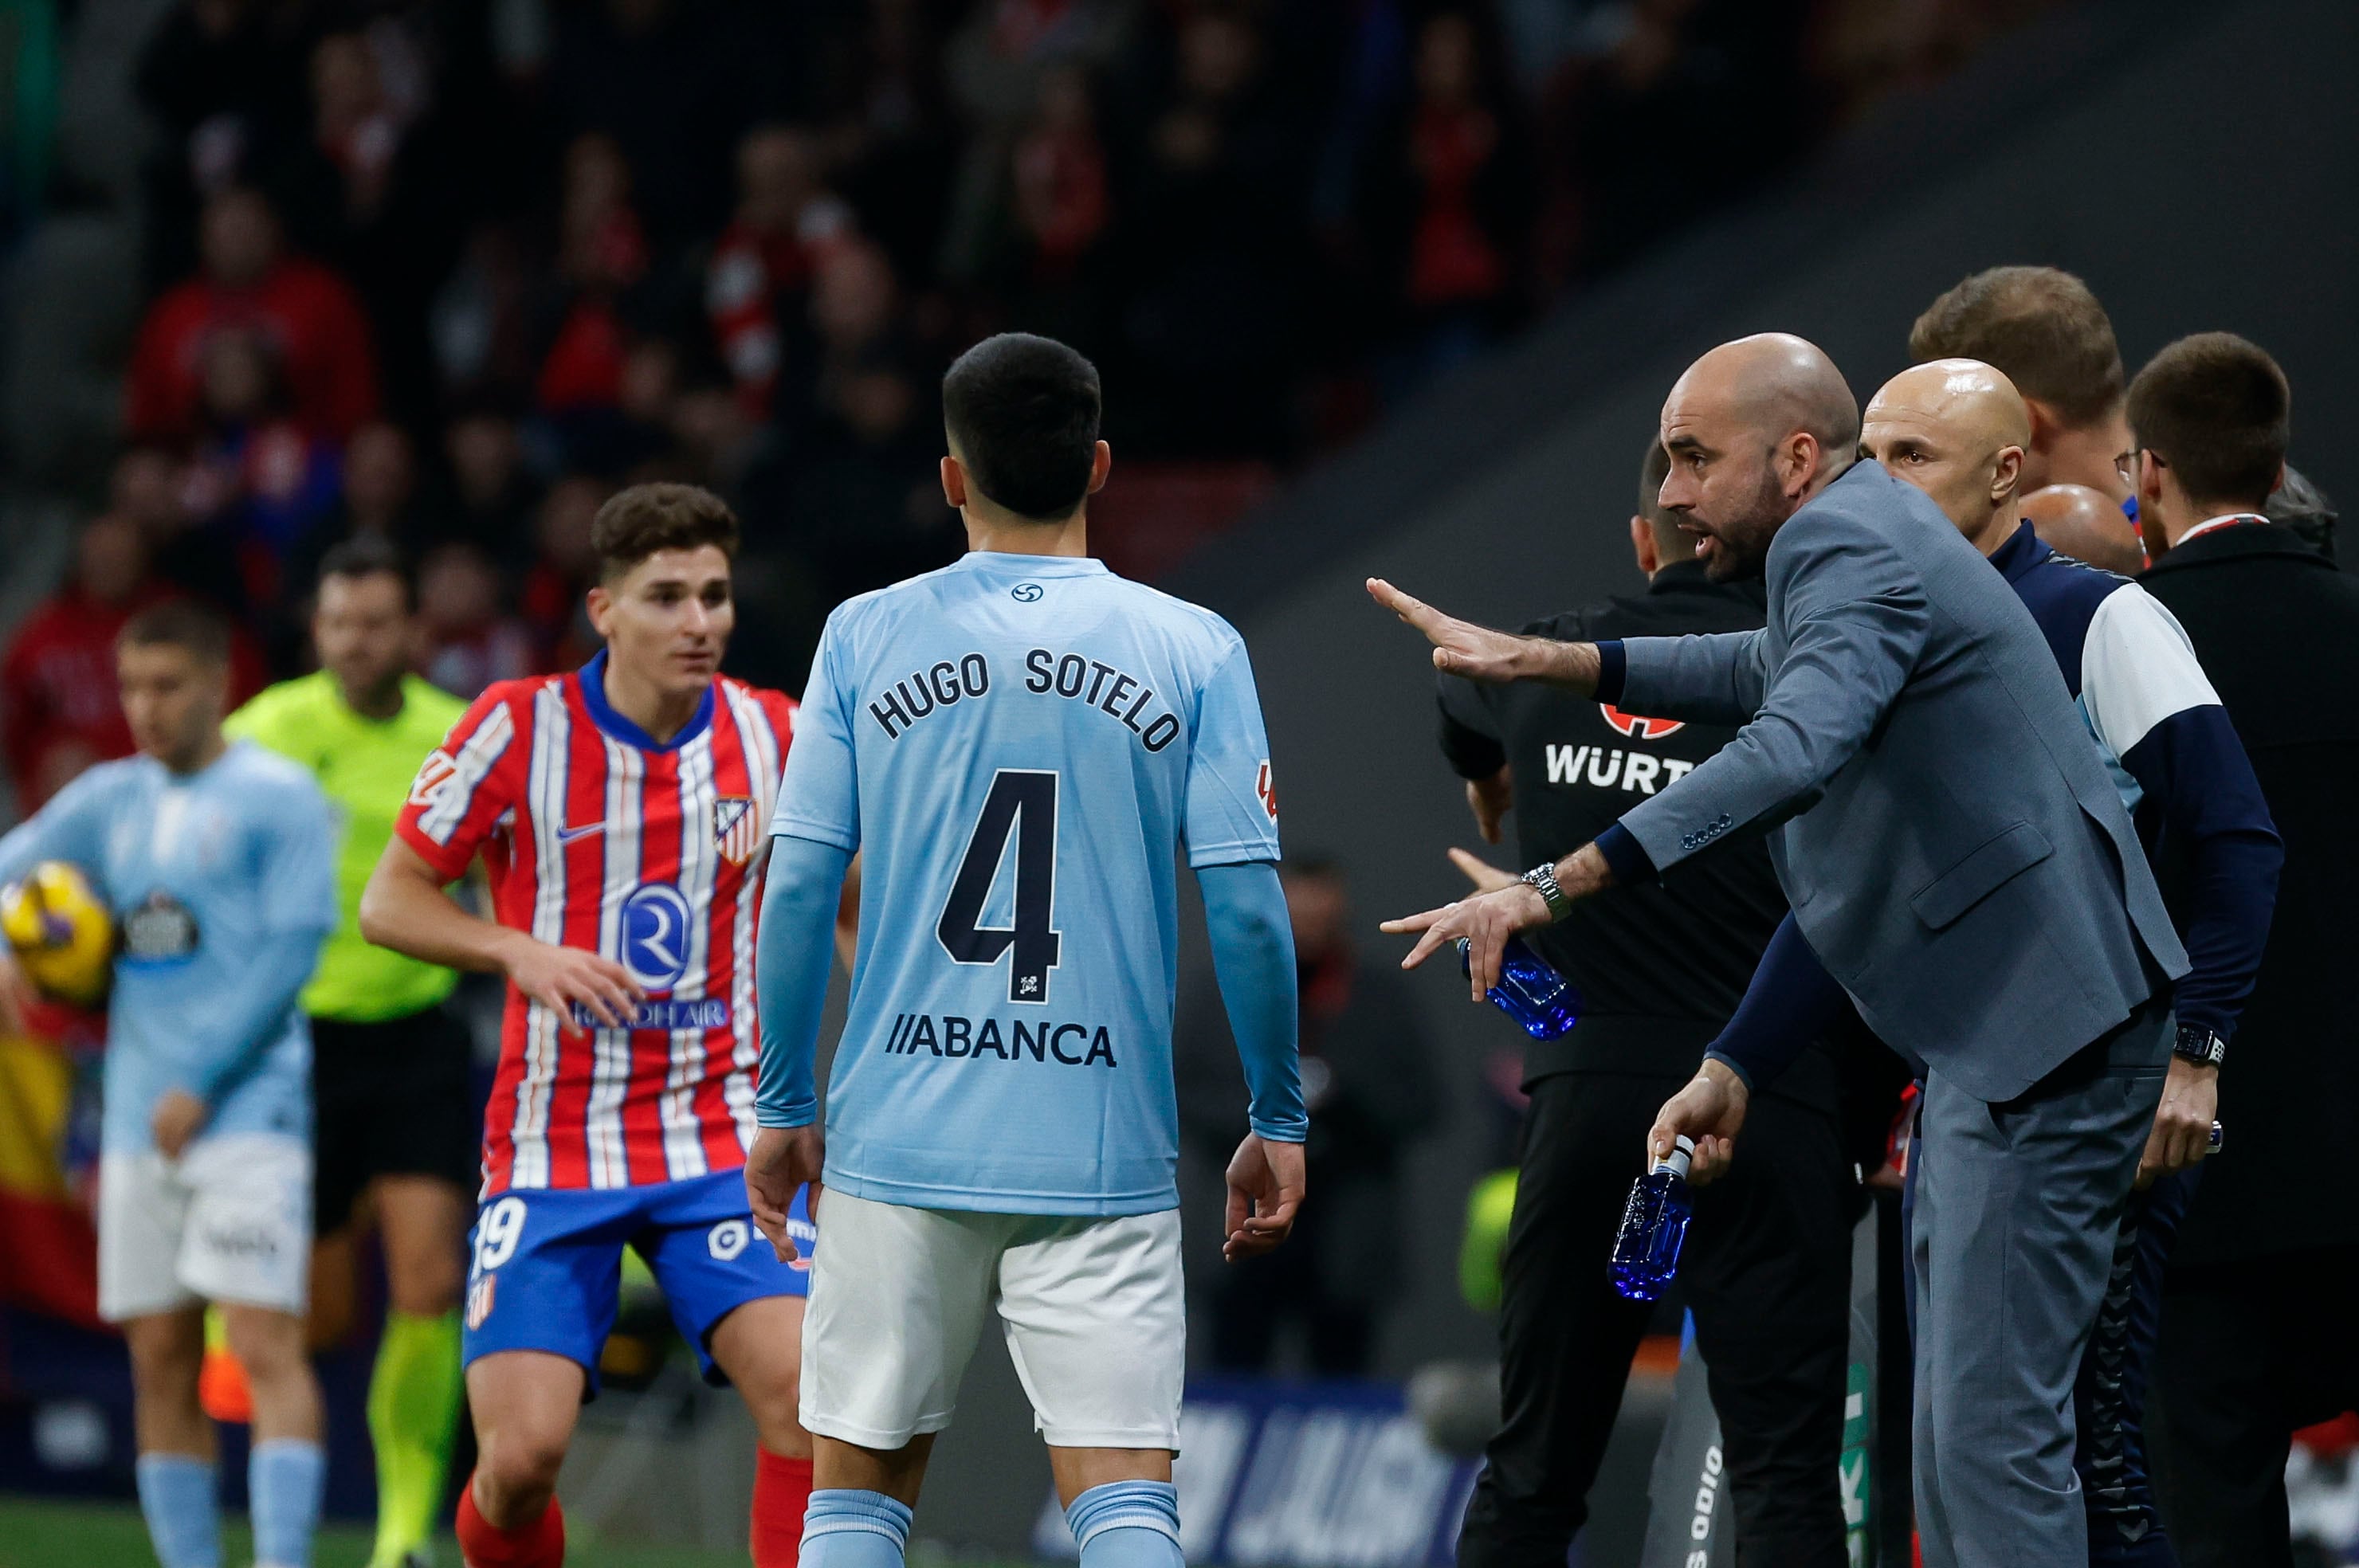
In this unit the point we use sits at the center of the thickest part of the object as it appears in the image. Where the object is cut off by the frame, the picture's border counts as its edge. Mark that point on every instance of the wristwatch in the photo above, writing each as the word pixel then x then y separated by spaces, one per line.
pixel 1541 879
pixel 2200 1046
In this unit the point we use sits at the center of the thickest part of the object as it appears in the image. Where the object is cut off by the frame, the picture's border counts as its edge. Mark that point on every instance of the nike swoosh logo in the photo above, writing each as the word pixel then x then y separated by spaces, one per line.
pixel 568 835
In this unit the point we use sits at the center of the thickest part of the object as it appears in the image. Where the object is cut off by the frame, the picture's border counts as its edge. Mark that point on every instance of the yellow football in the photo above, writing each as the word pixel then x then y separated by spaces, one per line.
pixel 61 932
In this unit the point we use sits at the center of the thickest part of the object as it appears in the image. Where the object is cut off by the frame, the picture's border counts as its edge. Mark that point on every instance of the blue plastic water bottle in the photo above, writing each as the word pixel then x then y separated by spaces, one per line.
pixel 1528 991
pixel 1653 1224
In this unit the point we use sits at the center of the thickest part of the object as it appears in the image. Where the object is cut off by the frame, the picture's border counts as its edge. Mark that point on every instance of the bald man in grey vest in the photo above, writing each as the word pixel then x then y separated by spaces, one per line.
pixel 1962 872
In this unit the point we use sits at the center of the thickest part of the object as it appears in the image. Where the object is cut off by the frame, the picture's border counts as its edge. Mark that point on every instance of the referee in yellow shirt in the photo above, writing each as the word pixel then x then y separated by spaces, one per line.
pixel 396 1120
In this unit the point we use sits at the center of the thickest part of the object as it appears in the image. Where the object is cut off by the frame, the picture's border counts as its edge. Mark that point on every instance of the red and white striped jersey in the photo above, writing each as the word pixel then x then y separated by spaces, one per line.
pixel 596 837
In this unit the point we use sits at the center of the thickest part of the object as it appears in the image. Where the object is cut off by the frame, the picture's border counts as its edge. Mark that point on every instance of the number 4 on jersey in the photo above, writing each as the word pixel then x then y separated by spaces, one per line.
pixel 1022 804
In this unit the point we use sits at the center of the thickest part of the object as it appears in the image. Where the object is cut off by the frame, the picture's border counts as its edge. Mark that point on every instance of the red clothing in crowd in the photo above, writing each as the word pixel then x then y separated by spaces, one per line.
pixel 1451 260
pixel 749 271
pixel 58 689
pixel 312 320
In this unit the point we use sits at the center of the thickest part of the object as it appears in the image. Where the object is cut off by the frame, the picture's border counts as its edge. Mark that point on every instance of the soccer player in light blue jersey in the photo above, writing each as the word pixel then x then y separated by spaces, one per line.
pixel 1018 746
pixel 216 861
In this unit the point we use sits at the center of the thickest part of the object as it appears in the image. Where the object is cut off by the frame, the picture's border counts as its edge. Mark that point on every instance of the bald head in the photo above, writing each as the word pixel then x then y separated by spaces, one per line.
pixel 1956 430
pixel 1779 384
pixel 2085 524
pixel 1754 429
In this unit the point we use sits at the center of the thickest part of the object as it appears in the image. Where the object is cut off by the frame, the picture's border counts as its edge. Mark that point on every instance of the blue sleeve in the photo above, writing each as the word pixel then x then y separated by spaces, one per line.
pixel 1791 1002
pixel 819 798
pixel 1613 670
pixel 277 970
pixel 299 865
pixel 791 955
pixel 2193 767
pixel 66 828
pixel 1232 804
pixel 1253 954
pixel 1625 856
pixel 295 871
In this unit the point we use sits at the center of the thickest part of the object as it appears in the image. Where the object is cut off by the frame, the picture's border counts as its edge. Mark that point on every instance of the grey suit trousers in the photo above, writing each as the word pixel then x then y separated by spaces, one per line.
pixel 2018 1206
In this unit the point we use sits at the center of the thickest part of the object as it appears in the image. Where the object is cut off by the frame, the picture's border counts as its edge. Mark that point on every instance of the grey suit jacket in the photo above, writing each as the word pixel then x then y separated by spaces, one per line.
pixel 1954 850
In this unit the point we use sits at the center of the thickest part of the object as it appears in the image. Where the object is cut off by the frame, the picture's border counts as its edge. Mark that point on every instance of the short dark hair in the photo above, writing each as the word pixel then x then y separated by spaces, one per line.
pixel 1652 471
pixel 636 523
pixel 2216 408
pixel 370 555
pixel 178 623
pixel 1023 413
pixel 2041 326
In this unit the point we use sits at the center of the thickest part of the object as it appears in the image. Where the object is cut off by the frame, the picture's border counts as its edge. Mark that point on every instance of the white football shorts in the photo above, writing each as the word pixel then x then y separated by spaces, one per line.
pixel 229 1221
pixel 1093 1310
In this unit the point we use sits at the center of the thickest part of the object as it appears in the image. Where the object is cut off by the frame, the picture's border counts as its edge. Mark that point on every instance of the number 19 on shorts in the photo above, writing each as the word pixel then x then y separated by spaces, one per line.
pixel 1021 809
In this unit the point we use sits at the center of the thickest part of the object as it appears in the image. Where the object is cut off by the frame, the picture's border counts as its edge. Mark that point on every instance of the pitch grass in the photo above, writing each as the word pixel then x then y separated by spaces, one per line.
pixel 37 1534
pixel 110 1535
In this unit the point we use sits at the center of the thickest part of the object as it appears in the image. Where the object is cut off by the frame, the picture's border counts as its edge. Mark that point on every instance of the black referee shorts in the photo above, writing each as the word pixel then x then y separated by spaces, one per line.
pixel 394 1097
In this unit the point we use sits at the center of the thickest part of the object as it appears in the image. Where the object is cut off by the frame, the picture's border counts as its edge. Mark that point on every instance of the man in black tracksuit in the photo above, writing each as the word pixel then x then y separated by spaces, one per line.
pixel 1660 967
pixel 2256 1309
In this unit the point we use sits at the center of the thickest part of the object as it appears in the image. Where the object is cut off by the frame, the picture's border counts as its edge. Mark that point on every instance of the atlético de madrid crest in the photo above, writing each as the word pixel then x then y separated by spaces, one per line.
pixel 736 828
pixel 1640 729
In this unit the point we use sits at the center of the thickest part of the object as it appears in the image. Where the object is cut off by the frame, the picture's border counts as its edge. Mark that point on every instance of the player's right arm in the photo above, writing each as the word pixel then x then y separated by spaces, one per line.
pixel 408 907
pixel 463 790
pixel 815 835
pixel 67 828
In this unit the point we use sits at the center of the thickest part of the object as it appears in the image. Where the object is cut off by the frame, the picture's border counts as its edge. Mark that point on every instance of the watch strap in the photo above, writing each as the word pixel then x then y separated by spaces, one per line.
pixel 1541 879
pixel 2200 1046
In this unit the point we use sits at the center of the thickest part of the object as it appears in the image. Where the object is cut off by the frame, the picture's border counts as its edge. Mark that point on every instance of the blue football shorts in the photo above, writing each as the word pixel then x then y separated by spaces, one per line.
pixel 546 1265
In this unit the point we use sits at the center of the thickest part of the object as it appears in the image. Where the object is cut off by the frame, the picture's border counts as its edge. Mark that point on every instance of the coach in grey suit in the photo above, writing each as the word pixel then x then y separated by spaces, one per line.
pixel 1958 860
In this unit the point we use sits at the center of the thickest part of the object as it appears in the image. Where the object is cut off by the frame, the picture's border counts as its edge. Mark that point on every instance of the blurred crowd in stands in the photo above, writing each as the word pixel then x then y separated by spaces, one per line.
pixel 451 270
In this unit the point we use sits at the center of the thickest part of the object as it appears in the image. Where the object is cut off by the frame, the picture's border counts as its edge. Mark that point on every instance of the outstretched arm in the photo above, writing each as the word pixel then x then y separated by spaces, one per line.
pixel 1477 653
pixel 1253 954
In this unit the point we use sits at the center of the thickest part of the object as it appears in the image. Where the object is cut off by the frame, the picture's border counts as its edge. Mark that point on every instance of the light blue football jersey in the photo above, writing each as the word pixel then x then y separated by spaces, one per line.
pixel 201 870
pixel 1019 746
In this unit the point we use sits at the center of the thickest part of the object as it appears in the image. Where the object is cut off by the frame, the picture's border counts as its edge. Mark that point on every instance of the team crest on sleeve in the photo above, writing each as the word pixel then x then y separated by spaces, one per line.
pixel 1640 729
pixel 1266 788
pixel 435 771
pixel 736 828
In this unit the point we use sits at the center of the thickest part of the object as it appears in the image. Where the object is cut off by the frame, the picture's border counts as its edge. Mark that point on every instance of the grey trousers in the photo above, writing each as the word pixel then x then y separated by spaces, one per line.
pixel 2018 1204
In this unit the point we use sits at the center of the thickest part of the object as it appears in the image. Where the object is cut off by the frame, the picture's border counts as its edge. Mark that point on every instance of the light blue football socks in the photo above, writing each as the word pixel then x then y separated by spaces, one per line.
pixel 284 1481
pixel 176 1495
pixel 846 1529
pixel 1128 1524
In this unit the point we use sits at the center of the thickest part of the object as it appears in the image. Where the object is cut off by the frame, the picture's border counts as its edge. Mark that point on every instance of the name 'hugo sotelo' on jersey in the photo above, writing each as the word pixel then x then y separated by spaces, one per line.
pixel 1073 676
pixel 1017 745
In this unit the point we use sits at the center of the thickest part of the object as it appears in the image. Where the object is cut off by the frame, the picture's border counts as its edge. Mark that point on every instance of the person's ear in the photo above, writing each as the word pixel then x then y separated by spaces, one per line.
pixel 1800 456
pixel 1101 464
pixel 2007 473
pixel 1642 546
pixel 602 609
pixel 954 483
